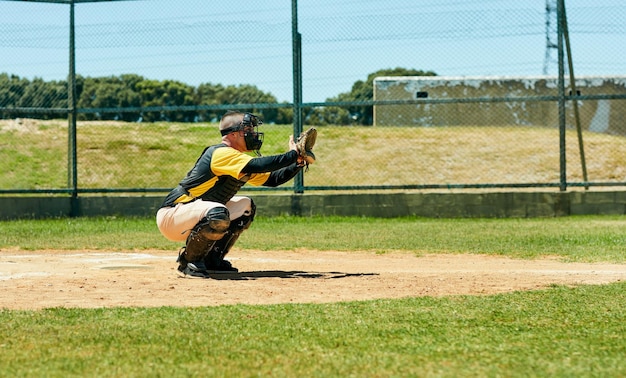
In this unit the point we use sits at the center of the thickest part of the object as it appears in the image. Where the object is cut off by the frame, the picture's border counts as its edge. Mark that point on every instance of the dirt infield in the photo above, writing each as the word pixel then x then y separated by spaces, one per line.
pixel 92 279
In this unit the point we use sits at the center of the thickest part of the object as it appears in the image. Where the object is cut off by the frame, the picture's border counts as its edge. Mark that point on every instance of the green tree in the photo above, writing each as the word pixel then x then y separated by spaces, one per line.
pixel 284 116
pixel 364 91
pixel 217 94
pixel 12 89
pixel 207 94
pixel 108 92
pixel 135 91
pixel 327 115
pixel 41 94
pixel 166 93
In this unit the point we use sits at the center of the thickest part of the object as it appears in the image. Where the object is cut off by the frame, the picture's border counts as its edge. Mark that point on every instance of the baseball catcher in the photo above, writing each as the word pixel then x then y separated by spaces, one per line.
pixel 204 210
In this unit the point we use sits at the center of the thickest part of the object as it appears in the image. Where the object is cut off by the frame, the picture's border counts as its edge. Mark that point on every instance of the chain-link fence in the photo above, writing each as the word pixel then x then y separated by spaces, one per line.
pixel 431 95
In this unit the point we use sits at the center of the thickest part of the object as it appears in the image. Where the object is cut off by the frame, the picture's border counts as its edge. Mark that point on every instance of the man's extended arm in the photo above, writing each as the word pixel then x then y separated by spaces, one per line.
pixel 270 163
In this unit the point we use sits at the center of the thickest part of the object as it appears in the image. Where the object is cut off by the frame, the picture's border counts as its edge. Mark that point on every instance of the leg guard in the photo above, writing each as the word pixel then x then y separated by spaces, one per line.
pixel 215 258
pixel 205 234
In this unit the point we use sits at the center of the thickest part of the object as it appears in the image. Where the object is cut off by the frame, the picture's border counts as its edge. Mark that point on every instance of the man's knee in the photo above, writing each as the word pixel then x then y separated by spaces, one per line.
pixel 244 221
pixel 215 224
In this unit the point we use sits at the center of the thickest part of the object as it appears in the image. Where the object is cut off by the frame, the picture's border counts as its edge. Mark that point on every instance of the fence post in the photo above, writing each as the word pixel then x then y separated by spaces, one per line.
pixel 72 169
pixel 561 84
pixel 297 85
pixel 572 83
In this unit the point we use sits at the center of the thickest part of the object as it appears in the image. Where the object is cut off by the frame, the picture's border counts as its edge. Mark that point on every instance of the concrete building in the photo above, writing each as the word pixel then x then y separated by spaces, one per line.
pixel 603 116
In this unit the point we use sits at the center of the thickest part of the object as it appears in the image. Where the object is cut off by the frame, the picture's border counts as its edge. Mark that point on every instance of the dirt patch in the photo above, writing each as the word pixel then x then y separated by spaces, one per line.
pixel 35 280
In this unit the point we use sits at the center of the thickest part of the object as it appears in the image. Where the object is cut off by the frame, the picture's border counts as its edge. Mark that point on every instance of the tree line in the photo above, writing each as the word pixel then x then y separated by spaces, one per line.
pixel 35 98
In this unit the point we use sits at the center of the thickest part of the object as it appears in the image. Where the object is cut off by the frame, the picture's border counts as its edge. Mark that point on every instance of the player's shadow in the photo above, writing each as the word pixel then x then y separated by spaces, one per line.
pixel 284 274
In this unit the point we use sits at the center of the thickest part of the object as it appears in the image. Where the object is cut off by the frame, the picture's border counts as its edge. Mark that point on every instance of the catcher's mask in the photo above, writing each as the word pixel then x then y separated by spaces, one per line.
pixel 250 126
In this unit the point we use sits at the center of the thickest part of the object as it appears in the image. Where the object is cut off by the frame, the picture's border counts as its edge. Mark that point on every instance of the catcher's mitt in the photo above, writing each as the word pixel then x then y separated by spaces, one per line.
pixel 304 146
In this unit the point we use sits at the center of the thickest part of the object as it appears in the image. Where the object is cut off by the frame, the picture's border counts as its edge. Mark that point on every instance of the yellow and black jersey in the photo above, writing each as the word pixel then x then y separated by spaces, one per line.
pixel 221 171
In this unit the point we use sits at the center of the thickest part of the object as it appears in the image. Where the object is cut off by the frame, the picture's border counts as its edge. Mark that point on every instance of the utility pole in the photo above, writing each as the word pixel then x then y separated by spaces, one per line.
pixel 551 32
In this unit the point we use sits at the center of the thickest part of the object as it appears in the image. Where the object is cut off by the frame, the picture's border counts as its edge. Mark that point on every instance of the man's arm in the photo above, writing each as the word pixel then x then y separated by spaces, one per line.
pixel 270 163
pixel 283 175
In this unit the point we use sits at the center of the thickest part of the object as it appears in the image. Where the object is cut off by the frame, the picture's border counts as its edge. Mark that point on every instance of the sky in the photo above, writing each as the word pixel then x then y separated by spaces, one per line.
pixel 239 42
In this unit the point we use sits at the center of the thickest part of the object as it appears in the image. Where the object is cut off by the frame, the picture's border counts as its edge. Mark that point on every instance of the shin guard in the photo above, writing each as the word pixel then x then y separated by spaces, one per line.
pixel 223 246
pixel 206 233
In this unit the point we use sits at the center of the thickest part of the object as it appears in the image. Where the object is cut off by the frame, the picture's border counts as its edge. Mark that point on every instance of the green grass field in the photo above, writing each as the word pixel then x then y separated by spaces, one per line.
pixel 33 155
pixel 558 332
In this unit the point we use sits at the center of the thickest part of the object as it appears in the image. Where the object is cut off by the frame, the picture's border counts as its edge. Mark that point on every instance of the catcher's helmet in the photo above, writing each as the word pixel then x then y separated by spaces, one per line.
pixel 249 124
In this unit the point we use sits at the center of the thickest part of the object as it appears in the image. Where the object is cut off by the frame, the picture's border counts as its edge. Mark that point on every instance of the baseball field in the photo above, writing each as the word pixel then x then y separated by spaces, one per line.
pixel 318 296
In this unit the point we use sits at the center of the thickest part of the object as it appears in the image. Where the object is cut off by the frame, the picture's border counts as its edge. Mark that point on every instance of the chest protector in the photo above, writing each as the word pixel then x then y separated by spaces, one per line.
pixel 224 189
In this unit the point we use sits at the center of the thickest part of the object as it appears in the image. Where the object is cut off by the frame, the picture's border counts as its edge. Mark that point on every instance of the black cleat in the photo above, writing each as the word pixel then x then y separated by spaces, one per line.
pixel 223 266
pixel 193 269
